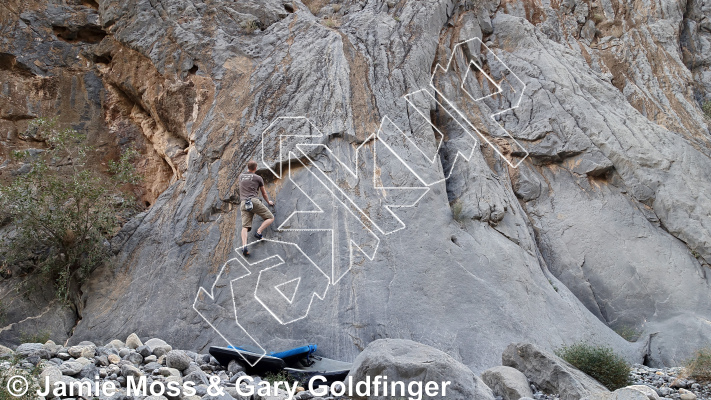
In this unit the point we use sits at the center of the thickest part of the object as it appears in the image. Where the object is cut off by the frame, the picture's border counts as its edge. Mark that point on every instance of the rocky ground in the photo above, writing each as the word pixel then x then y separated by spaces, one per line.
pixel 667 382
pixel 670 382
pixel 118 360
pixel 157 361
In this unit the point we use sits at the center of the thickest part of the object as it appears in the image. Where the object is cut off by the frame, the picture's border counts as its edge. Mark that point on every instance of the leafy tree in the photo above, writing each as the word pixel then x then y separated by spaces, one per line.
pixel 63 211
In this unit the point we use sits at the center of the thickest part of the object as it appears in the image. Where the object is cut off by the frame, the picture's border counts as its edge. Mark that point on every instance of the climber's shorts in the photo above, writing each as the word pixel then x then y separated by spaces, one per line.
pixel 259 209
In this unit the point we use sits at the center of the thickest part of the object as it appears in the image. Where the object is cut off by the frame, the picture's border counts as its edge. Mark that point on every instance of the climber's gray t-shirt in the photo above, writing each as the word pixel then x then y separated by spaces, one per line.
pixel 249 185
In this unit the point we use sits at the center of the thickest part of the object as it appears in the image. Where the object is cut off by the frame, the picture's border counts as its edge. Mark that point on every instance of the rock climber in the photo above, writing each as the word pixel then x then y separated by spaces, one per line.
pixel 249 184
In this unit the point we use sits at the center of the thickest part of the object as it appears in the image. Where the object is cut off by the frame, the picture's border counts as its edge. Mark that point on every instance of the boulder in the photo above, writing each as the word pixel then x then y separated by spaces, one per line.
pixel 84 361
pixel 52 347
pixel 32 349
pixel 153 343
pixel 134 358
pixel 6 352
pixel 87 351
pixel 686 395
pixel 89 371
pixel 67 380
pixel 160 351
pixel 116 344
pixel 177 359
pixel 102 361
pixel 151 366
pixel 144 351
pixel 133 342
pixel 551 373
pixel 167 371
pixel 234 367
pixel 648 391
pixel 128 370
pixel 507 382
pixel 408 361
pixel 49 375
pixel 625 393
pixel 71 368
pixel 197 377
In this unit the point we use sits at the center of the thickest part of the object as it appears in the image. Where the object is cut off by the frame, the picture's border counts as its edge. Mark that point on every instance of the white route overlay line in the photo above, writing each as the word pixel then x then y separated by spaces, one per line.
pixel 281 262
pixel 334 280
pixel 203 294
pixel 289 300
pixel 281 138
pixel 492 116
pixel 435 158
pixel 354 173
pixel 211 295
pixel 377 138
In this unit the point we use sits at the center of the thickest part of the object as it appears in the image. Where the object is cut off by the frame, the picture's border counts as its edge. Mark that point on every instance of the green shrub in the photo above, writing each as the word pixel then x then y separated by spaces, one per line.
pixel 250 26
pixel 34 337
pixel 314 6
pixel 31 378
pixel 707 109
pixel 63 209
pixel 282 376
pixel 553 284
pixel 457 208
pixel 699 366
pixel 629 333
pixel 600 362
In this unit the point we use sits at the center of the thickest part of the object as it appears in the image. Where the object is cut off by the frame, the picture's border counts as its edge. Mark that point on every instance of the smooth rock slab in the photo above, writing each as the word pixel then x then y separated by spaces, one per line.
pixel 408 361
pixel 507 382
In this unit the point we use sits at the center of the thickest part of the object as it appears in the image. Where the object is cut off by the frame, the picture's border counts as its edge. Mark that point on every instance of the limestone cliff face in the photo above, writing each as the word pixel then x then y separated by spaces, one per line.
pixel 606 224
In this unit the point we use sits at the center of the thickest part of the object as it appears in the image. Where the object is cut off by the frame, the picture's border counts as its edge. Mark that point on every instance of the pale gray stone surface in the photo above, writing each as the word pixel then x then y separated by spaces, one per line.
pixel 507 382
pixel 604 226
pixel 408 361
pixel 551 373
